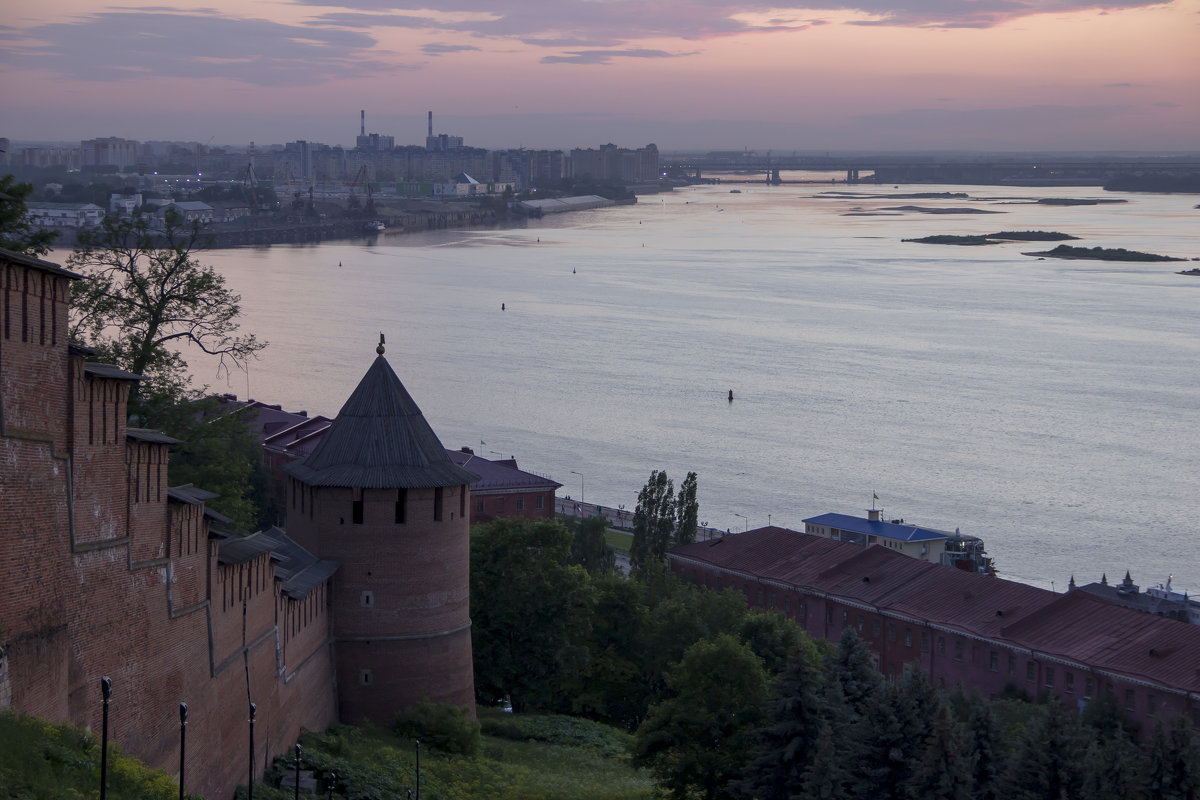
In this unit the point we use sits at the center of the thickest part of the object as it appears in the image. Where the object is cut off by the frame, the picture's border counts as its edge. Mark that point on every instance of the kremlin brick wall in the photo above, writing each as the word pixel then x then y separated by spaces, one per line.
pixel 103 574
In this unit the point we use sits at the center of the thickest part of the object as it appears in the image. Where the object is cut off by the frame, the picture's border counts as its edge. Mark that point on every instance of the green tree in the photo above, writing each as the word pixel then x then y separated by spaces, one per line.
pixel 852 668
pixel 613 687
pixel 773 637
pixel 17 232
pixel 687 512
pixel 144 294
pixel 698 740
pixel 530 611
pixel 661 521
pixel 786 743
pixel 1048 761
pixel 653 522
pixel 218 452
pixel 826 777
pixel 1173 762
pixel 943 769
pixel 589 548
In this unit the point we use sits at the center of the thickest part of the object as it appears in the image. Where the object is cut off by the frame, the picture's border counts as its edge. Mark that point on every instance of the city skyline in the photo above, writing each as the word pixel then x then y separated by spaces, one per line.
pixel 686 74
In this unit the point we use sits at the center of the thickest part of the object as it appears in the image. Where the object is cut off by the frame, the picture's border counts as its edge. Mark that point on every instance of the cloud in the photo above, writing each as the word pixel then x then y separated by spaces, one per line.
pixel 1118 85
pixel 437 48
pixel 195 44
pixel 606 56
pixel 611 22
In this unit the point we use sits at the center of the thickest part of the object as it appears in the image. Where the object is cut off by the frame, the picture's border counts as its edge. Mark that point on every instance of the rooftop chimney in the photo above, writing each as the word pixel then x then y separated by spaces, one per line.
pixel 874 514
pixel 362 115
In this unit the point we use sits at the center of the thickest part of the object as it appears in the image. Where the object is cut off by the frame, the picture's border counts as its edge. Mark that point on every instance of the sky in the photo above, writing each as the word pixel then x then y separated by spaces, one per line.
pixel 997 75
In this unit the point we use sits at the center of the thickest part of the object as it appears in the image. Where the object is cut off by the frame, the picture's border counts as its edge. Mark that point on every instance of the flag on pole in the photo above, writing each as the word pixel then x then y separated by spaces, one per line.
pixel 874 496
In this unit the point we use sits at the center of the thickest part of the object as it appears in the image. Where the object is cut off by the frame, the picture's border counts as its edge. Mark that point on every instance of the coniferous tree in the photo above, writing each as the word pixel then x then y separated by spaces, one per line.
pixel 916 704
pixel 785 745
pixel 852 668
pixel 943 770
pixel 984 746
pixel 1049 757
pixel 879 768
pixel 1173 762
pixel 826 777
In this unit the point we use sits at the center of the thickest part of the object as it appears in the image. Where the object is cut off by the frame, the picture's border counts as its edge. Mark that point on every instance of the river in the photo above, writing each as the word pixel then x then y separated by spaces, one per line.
pixel 1048 406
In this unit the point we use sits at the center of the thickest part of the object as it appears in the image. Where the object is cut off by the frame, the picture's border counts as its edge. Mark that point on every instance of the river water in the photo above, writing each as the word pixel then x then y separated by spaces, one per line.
pixel 1049 406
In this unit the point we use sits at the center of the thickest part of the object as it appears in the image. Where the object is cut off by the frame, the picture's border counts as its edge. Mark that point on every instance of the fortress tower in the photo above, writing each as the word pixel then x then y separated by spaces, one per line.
pixel 381 496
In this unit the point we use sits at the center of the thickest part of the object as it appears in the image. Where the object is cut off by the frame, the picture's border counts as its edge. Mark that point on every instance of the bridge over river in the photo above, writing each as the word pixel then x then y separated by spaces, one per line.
pixel 923 168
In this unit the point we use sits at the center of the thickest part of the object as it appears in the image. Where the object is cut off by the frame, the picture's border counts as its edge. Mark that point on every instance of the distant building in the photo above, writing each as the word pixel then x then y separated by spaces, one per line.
pixel 124 203
pixel 925 544
pixel 64 215
pixel 189 211
pixel 503 490
pixel 614 163
pixel 1161 600
pixel 110 152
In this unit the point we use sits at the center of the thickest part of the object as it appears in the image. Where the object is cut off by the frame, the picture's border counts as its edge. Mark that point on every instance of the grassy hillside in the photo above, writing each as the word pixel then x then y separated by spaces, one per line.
pixel 43 761
pixel 523 757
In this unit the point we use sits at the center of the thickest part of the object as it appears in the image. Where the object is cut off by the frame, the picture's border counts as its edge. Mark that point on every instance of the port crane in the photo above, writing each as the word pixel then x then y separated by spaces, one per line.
pixel 362 179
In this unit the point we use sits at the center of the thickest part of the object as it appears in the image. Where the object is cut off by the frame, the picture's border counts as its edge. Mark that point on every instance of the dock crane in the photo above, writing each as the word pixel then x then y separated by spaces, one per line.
pixel 362 179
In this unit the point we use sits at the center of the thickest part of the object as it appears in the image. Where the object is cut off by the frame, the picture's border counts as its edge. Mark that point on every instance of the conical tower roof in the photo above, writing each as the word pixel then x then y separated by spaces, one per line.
pixel 380 440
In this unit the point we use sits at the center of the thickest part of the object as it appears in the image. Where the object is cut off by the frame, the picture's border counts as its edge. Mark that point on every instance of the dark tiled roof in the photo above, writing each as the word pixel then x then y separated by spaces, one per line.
pixel 109 371
pixel 1076 627
pixel 297 570
pixel 887 530
pixel 37 263
pixel 380 440
pixel 499 475
pixel 147 435
pixel 187 493
pixel 240 549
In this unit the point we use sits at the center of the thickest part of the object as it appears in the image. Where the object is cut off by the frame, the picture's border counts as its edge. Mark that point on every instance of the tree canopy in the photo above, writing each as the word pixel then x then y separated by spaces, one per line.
pixel 661 521
pixel 144 295
pixel 17 231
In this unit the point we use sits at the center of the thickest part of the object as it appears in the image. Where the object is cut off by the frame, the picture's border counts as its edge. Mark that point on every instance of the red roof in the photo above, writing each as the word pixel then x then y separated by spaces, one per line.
pixel 1075 627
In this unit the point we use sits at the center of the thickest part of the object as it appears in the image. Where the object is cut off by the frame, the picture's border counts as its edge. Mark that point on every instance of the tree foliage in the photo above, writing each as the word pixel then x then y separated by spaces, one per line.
pixel 530 613
pixel 589 548
pixel 698 740
pixel 17 231
pixel 660 521
pixel 144 295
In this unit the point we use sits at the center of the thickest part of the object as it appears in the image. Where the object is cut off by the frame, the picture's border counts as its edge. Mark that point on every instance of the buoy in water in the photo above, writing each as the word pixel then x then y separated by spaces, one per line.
pixel 731 395
pixel 502 306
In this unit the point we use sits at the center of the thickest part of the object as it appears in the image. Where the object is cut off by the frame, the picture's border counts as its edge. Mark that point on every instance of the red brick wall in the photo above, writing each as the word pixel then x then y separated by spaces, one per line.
pixel 401 594
pixel 521 505
pixel 100 576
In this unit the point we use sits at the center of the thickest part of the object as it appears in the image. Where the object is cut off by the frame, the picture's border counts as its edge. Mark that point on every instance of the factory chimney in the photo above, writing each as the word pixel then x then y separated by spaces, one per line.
pixel 431 123
pixel 362 115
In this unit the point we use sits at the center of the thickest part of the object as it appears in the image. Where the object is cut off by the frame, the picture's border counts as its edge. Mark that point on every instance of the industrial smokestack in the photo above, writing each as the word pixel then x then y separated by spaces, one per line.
pixel 431 123
pixel 362 115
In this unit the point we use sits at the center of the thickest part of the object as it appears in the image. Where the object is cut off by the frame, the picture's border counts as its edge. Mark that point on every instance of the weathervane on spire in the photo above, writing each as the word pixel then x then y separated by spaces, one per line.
pixel 379 347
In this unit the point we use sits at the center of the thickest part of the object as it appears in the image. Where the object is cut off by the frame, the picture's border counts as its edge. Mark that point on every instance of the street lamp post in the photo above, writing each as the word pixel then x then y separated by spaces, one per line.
pixel 745 519
pixel 106 690
pixel 182 744
pixel 580 474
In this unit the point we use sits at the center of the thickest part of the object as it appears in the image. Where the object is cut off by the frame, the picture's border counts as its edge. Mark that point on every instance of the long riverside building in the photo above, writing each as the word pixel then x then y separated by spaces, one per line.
pixel 960 627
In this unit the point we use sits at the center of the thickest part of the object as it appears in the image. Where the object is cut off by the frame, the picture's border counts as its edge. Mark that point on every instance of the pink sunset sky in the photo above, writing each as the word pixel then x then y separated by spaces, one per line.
pixel 686 74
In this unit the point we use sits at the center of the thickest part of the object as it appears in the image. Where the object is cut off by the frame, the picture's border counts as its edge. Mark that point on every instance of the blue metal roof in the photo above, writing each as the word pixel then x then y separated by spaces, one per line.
pixel 886 530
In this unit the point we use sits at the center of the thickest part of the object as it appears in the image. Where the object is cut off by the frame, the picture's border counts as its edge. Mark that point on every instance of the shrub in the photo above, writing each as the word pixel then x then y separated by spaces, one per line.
pixel 448 728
